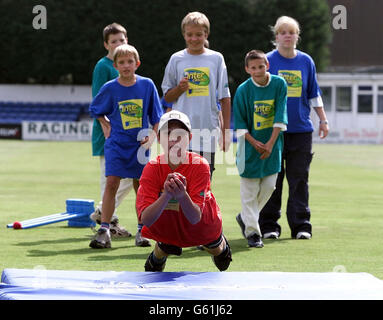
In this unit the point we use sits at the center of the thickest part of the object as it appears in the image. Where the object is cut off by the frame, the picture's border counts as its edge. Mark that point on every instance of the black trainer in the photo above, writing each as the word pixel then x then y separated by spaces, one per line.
pixel 151 266
pixel 241 224
pixel 222 261
pixel 255 241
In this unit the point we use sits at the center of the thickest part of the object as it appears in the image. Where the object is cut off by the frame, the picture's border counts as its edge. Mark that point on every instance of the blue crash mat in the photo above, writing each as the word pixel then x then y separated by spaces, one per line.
pixel 25 284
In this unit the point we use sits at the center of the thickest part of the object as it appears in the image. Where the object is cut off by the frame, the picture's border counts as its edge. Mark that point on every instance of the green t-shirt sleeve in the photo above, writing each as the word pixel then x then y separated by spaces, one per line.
pixel 239 110
pixel 99 78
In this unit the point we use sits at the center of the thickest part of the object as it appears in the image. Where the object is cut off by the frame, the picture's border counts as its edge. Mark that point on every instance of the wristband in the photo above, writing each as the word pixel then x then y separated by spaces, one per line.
pixel 323 121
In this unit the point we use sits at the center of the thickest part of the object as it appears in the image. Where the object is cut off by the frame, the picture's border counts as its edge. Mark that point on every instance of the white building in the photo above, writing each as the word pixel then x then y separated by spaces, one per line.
pixel 354 107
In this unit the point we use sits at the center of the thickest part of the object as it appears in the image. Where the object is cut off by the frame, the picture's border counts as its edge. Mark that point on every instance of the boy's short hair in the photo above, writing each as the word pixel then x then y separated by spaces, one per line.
pixel 255 54
pixel 197 18
pixel 113 28
pixel 124 50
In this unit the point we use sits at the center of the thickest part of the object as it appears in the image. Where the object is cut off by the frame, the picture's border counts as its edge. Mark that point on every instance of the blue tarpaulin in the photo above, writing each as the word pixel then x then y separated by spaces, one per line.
pixel 40 284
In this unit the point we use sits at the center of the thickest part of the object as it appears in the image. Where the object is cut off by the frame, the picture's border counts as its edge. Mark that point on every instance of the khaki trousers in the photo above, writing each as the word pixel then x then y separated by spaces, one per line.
pixel 254 195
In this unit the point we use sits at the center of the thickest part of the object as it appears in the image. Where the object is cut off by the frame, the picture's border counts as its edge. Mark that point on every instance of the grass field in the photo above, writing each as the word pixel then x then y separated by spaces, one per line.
pixel 345 198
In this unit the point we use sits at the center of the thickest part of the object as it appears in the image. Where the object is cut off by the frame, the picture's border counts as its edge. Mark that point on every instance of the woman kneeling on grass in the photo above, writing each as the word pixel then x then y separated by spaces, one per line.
pixel 174 200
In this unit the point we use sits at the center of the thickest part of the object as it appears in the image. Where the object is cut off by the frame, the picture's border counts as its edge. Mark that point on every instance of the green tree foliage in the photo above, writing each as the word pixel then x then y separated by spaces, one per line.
pixel 72 43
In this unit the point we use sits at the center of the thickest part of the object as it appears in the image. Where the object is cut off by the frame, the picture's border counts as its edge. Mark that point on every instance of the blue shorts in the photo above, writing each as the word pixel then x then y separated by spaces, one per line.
pixel 124 159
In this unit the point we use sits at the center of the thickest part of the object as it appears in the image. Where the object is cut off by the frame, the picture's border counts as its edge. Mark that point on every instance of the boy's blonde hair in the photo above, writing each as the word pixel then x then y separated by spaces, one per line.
pixel 286 20
pixel 124 50
pixel 291 22
pixel 196 18
pixel 113 28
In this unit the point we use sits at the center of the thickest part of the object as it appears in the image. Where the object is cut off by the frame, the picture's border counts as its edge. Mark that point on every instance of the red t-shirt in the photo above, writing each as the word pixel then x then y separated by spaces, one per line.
pixel 172 227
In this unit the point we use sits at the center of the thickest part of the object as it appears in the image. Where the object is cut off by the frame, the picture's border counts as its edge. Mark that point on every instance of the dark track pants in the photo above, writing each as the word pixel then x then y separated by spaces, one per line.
pixel 296 159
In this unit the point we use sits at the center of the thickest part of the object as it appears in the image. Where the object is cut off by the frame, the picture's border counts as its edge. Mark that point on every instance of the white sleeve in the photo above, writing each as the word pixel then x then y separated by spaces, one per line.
pixel 241 132
pixel 223 90
pixel 316 102
pixel 169 80
pixel 280 125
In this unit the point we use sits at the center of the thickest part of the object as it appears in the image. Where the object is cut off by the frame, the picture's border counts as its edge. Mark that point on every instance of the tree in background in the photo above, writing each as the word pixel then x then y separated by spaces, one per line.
pixel 68 49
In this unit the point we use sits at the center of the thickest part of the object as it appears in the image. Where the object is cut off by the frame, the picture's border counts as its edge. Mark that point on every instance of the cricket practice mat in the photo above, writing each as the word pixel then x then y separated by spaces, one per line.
pixel 41 284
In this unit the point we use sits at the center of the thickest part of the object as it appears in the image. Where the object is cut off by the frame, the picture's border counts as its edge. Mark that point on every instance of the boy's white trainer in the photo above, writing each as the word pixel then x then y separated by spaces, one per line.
pixel 96 216
pixel 101 240
pixel 303 235
pixel 116 230
pixel 271 235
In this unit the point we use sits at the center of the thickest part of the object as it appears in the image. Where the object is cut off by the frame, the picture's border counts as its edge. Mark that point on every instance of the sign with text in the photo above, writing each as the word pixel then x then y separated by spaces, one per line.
pixel 55 130
pixel 352 136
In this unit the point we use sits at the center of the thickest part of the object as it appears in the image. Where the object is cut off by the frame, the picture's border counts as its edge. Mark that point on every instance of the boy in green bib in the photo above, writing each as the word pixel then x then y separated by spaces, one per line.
pixel 259 117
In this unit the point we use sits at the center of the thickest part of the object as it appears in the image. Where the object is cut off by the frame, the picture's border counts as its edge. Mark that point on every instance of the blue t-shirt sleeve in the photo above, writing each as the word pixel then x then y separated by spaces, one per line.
pixel 155 109
pixel 102 104
pixel 313 89
pixel 281 102
pixel 166 104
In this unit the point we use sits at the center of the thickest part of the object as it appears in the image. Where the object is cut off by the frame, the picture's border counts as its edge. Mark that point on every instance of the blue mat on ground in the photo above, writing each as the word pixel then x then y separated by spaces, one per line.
pixel 36 284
